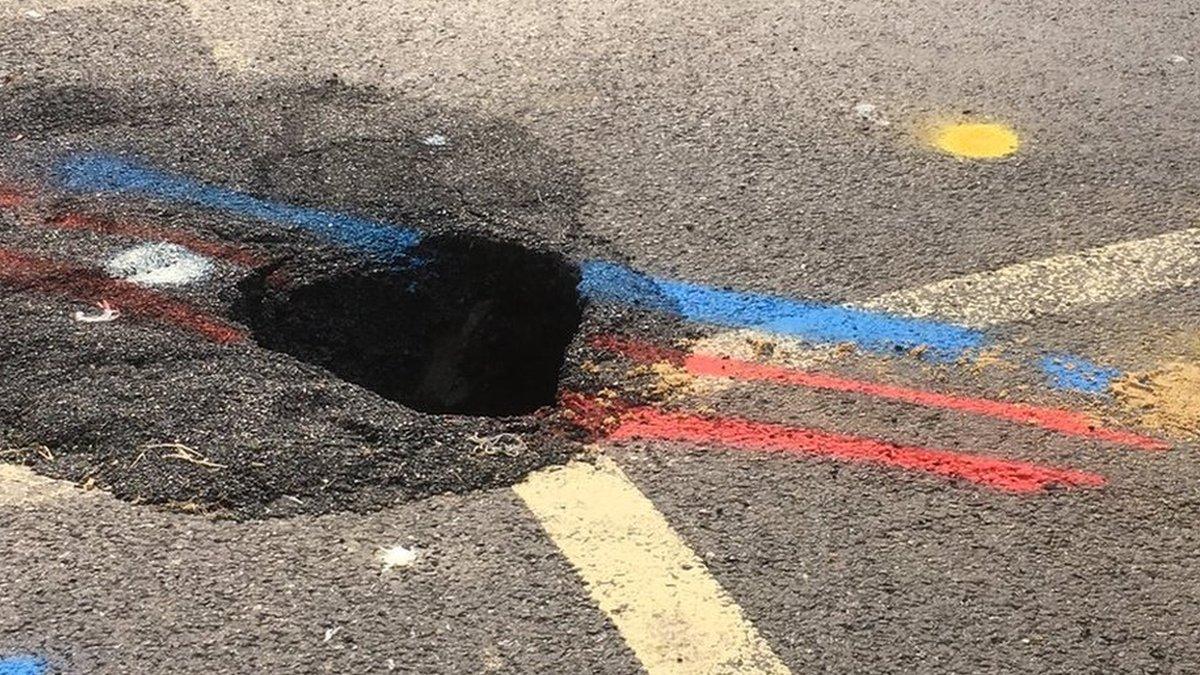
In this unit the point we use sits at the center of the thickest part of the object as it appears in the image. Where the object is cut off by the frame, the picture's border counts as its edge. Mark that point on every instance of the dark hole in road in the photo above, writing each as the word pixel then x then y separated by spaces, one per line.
pixel 475 327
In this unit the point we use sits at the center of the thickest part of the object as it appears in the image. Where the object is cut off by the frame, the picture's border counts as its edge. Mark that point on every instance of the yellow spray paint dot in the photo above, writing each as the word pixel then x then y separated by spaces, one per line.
pixel 976 140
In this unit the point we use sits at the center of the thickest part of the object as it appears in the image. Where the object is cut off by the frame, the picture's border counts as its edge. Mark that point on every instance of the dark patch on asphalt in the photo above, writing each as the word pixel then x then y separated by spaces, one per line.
pixel 314 422
pixel 59 109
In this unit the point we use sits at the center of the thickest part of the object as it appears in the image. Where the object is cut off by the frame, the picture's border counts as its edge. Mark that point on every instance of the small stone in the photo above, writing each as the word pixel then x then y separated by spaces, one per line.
pixel 869 112
pixel 398 556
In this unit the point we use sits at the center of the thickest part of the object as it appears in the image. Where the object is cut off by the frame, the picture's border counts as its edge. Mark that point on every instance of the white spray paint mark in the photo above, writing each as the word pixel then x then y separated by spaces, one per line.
pixel 435 140
pixel 107 313
pixel 398 556
pixel 159 264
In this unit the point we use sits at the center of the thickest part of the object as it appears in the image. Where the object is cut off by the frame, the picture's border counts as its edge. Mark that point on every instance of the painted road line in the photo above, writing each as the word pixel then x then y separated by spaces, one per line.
pixel 76 222
pixel 1056 285
pixel 20 486
pixel 117 175
pixel 31 273
pixel 23 665
pixel 10 199
pixel 671 612
pixel 1067 371
pixel 601 279
pixel 1062 421
pixel 652 424
pixel 818 322
pixel 867 327
pixel 42 7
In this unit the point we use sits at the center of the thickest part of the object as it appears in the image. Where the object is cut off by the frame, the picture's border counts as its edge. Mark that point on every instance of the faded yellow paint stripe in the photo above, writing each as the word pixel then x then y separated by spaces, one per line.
pixel 1048 286
pixel 20 486
pixel 1055 285
pixel 39 7
pixel 657 592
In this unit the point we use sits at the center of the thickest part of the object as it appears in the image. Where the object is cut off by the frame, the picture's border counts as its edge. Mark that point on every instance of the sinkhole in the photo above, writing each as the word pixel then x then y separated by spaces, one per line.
pixel 473 326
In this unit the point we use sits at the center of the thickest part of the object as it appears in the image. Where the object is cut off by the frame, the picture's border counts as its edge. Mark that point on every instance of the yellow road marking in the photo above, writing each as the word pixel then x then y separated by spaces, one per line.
pixel 657 592
pixel 217 21
pixel 44 6
pixel 1048 286
pixel 20 486
pixel 1055 285
pixel 234 31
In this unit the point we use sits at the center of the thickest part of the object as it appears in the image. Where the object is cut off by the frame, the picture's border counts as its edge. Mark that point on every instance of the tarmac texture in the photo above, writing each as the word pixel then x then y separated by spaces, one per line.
pixel 653 337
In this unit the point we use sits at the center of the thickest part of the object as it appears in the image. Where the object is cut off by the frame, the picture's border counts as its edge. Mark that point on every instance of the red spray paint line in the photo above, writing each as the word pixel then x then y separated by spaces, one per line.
pixel 11 200
pixel 27 272
pixel 646 423
pixel 73 221
pixel 226 252
pixel 1066 422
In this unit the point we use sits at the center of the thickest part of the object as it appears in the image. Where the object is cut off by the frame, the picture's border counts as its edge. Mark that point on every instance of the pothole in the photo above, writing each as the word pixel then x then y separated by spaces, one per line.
pixel 361 387
pixel 473 326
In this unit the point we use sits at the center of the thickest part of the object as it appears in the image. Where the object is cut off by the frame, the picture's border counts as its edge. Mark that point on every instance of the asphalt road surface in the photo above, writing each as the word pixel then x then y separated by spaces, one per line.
pixel 666 337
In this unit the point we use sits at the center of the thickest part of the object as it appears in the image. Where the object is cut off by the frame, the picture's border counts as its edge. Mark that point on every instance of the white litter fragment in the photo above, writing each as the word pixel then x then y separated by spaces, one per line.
pixel 159 264
pixel 1177 58
pixel 435 140
pixel 330 632
pixel 398 556
pixel 33 15
pixel 107 313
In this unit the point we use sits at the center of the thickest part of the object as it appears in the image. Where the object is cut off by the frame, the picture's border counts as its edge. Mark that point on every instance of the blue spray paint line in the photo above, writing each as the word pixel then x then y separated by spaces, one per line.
pixel 602 281
pixel 811 321
pixel 875 331
pixel 610 282
pixel 118 175
pixel 1075 373
pixel 22 665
